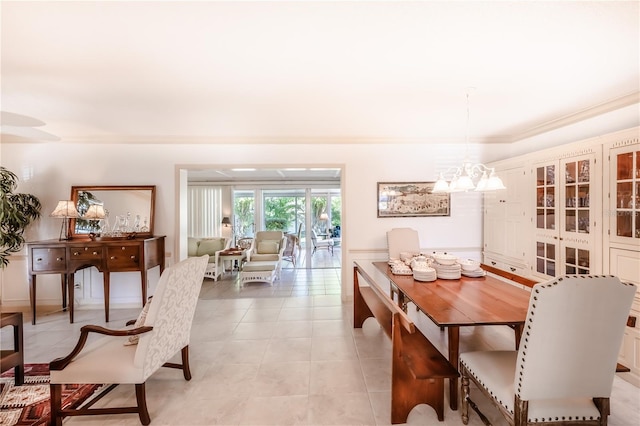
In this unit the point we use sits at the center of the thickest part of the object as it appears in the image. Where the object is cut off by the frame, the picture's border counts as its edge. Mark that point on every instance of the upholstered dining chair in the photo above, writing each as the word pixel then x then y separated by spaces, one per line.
pixel 402 240
pixel 563 370
pixel 130 356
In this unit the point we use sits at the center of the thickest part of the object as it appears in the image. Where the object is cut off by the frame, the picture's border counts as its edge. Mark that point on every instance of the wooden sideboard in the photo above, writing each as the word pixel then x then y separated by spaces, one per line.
pixel 107 255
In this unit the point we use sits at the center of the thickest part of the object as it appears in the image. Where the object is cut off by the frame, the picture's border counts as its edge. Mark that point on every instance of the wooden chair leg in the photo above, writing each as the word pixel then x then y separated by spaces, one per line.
pixel 464 409
pixel 55 403
pixel 186 370
pixel 143 413
pixel 604 408
pixel 184 366
pixel 520 412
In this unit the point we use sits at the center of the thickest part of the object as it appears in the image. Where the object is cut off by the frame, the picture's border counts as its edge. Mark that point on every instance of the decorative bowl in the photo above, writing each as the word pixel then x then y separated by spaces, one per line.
pixel 445 259
pixel 469 265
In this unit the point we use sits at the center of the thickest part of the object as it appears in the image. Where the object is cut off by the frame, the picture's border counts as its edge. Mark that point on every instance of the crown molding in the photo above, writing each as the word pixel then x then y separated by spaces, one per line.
pixel 567 120
pixel 585 114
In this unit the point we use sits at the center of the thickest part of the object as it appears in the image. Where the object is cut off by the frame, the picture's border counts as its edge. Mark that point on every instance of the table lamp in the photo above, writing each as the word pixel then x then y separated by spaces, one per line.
pixel 226 222
pixel 66 210
pixel 94 214
pixel 324 217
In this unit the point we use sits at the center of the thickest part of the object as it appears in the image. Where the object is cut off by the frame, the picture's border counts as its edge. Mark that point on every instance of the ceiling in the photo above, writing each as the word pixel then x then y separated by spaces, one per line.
pixel 312 71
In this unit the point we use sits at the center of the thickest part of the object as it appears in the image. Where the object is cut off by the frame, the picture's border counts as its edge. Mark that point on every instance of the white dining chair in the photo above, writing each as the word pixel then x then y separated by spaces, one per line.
pixel 402 240
pixel 563 371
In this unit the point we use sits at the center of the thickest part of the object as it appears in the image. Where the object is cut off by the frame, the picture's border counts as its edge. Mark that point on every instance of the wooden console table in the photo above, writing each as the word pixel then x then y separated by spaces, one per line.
pixel 107 255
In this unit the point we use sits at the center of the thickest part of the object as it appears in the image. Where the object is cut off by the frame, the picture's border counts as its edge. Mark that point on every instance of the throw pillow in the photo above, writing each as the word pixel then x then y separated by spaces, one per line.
pixel 210 246
pixel 268 247
pixel 192 246
pixel 133 340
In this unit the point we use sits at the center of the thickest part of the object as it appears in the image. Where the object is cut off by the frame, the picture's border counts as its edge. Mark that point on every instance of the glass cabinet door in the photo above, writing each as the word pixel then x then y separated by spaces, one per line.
pixel 565 240
pixel 576 216
pixel 627 194
pixel 545 197
pixel 546 258
pixel 546 235
pixel 576 190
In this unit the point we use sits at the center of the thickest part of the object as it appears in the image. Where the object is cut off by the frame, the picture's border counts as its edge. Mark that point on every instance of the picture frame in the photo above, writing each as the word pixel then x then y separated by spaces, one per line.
pixel 411 199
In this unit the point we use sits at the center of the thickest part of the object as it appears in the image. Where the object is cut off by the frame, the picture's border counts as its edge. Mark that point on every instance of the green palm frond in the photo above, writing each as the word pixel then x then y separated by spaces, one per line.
pixel 17 212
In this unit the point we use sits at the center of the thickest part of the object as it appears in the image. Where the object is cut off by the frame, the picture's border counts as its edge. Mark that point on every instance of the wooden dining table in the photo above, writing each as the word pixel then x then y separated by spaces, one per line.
pixel 463 302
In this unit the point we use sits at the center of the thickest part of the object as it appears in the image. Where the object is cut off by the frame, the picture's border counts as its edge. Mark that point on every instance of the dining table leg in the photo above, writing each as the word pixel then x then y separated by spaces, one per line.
pixel 454 358
pixel 517 328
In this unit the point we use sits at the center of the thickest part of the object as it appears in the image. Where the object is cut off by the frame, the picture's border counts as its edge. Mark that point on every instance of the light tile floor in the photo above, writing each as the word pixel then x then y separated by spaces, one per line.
pixel 260 358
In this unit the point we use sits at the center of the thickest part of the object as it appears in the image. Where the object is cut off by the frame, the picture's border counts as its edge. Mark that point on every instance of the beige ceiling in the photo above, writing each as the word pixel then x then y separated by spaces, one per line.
pixel 313 71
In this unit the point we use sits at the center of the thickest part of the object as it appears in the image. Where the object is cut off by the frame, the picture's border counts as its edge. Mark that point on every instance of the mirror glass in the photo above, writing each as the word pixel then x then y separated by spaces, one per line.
pixel 127 210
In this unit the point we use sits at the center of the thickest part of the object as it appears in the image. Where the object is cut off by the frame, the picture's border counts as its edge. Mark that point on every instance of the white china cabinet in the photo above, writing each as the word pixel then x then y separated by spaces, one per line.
pixel 580 206
pixel 622 240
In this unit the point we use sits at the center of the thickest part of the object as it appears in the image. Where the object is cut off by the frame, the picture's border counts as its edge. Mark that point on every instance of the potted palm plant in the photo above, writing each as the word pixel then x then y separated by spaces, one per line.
pixel 17 212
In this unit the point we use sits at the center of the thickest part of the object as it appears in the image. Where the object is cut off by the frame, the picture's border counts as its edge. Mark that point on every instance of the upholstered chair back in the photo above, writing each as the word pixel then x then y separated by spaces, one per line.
pixel 401 240
pixel 171 313
pixel 572 337
pixel 268 246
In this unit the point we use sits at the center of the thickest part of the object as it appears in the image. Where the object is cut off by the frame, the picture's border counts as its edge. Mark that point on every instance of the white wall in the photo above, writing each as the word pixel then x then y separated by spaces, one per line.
pixel 49 170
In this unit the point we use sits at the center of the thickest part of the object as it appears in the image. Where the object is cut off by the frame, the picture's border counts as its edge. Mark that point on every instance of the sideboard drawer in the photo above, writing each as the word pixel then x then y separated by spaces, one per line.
pixel 48 259
pixel 85 253
pixel 122 257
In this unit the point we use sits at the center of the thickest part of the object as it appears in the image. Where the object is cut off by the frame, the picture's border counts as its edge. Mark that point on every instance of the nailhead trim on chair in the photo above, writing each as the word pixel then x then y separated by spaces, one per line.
pixel 526 340
pixel 484 386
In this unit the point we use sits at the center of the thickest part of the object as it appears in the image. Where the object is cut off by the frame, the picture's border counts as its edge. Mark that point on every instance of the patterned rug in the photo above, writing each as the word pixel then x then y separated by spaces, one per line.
pixel 29 404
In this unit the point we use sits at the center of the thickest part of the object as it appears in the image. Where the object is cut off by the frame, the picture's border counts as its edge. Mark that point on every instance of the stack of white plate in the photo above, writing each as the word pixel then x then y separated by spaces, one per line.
pixel 447 272
pixel 475 274
pixel 424 274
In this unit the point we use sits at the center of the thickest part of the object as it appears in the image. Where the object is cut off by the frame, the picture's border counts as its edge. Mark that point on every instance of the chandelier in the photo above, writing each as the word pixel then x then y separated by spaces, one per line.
pixel 462 177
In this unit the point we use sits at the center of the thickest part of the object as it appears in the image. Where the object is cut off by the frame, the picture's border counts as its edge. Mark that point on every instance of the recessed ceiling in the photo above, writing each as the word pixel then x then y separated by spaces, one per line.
pixel 313 71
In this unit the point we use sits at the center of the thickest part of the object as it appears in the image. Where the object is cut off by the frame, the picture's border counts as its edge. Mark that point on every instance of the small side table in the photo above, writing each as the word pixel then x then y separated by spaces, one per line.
pixel 13 358
pixel 233 256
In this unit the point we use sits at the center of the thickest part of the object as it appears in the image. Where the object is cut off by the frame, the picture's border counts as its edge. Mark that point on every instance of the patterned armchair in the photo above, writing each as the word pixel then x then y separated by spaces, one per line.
pixel 130 356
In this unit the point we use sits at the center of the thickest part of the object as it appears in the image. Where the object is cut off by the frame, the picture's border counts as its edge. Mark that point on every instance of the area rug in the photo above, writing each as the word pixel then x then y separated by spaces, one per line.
pixel 29 404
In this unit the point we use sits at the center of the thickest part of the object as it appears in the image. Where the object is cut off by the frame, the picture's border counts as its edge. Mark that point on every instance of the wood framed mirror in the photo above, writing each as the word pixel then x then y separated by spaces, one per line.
pixel 128 211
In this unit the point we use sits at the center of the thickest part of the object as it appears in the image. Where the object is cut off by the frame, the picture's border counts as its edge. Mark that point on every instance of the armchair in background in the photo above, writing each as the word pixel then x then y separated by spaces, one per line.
pixel 321 244
pixel 267 246
pixel 291 248
pixel 211 246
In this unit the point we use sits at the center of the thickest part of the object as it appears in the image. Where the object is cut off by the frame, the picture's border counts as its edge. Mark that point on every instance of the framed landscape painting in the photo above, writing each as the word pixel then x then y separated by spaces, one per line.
pixel 411 199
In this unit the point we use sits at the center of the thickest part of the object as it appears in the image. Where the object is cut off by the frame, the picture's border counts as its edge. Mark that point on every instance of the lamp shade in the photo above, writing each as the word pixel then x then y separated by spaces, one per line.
pixel 324 216
pixel 226 221
pixel 94 212
pixel 494 183
pixel 65 209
